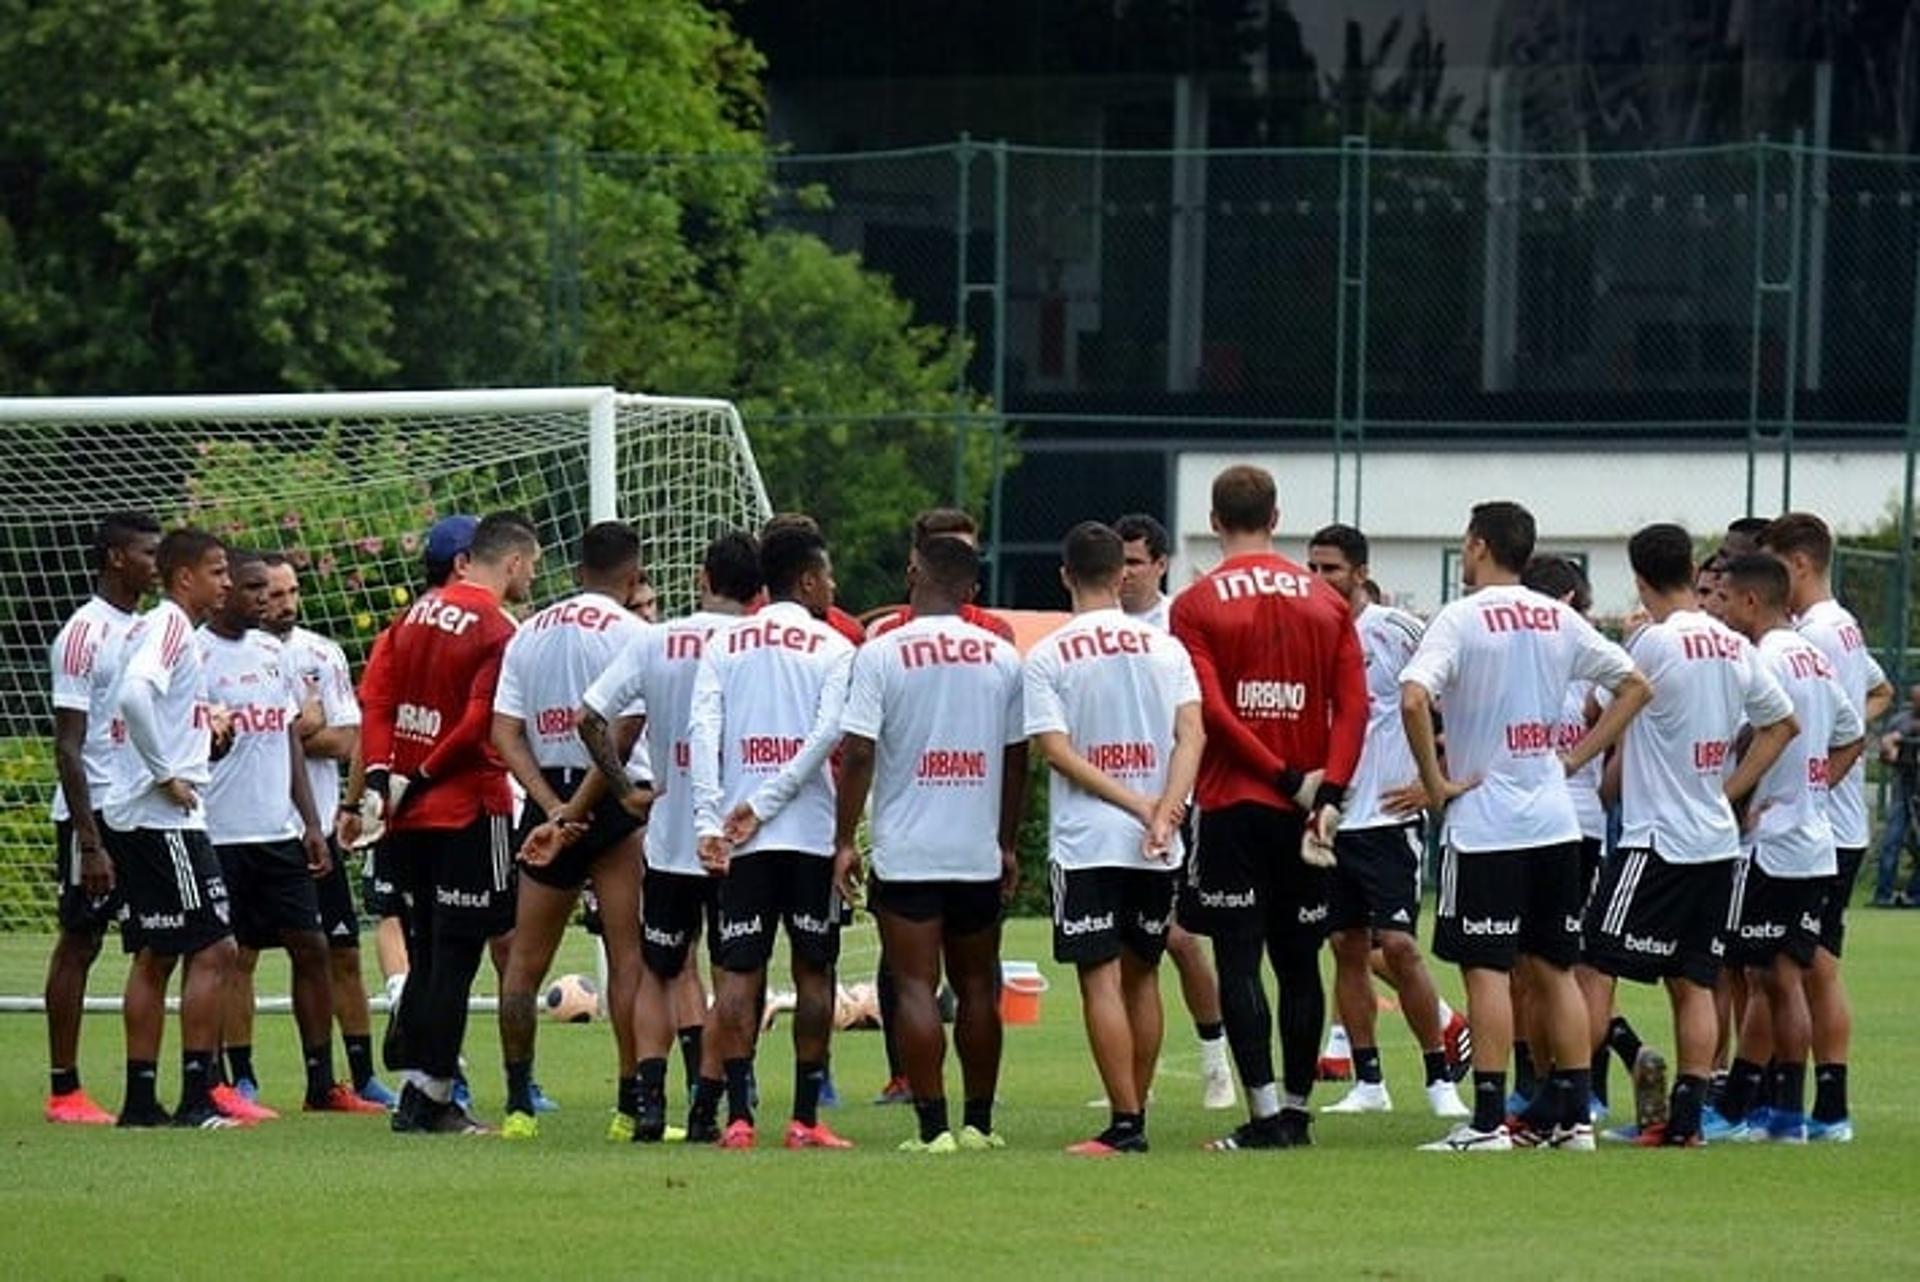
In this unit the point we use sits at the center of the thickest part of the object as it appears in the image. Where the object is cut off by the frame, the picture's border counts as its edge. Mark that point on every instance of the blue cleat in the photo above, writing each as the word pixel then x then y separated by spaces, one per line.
pixel 1596 1110
pixel 376 1092
pixel 247 1089
pixel 829 1097
pixel 1628 1134
pixel 1786 1128
pixel 1517 1104
pixel 1715 1126
pixel 1757 1118
pixel 541 1104
pixel 462 1093
pixel 1835 1132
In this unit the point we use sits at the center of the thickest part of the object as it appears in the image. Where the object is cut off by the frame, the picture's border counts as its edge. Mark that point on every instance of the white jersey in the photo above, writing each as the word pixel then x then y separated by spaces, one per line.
pixel 1114 687
pixel 318 666
pixel 1388 640
pixel 657 669
pixel 548 665
pixel 1584 784
pixel 85 659
pixel 1792 836
pixel 1675 757
pixel 1157 615
pixel 161 667
pixel 1499 663
pixel 765 718
pixel 1836 634
pixel 940 698
pixel 250 797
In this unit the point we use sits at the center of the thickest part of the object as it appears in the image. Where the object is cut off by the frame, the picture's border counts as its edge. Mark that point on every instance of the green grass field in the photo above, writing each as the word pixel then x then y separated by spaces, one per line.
pixel 340 1197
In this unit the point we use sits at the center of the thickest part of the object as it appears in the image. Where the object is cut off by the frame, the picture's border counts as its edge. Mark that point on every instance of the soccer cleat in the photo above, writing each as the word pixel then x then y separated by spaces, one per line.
pixel 1365 1097
pixel 342 1099
pixel 829 1097
pixel 75 1109
pixel 1714 1125
pixel 415 1112
pixel 1517 1103
pixel 1835 1132
pixel 205 1117
pixel 1265 1132
pixel 1332 1069
pixel 458 1119
pixel 520 1126
pixel 1457 1039
pixel 1628 1134
pixel 896 1091
pixel 620 1128
pixel 1786 1128
pixel 941 1143
pixel 1657 1136
pixel 818 1135
pixel 143 1118
pixel 1444 1099
pixel 1465 1139
pixel 1597 1109
pixel 462 1093
pixel 230 1103
pixel 1759 1117
pixel 1295 1128
pixel 1525 1134
pixel 1216 1076
pixel 974 1140
pixel 248 1088
pixel 1108 1144
pixel 541 1104
pixel 376 1092
pixel 739 1134
pixel 696 1132
pixel 1571 1139
pixel 1649 1089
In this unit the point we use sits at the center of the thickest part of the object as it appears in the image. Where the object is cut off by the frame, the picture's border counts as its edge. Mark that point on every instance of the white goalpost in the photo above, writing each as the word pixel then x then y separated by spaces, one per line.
pixel 346 484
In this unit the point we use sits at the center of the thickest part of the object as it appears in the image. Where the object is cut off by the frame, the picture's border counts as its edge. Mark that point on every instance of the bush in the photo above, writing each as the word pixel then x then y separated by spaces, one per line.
pixel 28 898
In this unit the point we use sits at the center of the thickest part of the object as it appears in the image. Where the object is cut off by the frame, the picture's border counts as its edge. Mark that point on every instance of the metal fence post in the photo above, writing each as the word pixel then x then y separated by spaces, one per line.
pixel 1758 315
pixel 554 251
pixel 1790 371
pixel 1364 286
pixel 1000 180
pixel 1903 611
pixel 962 233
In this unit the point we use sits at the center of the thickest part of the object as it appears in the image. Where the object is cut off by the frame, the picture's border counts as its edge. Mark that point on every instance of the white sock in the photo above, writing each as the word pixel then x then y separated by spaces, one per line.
pixel 1290 1100
pixel 1338 1047
pixel 438 1089
pixel 396 985
pixel 1446 1013
pixel 1264 1101
pixel 1213 1052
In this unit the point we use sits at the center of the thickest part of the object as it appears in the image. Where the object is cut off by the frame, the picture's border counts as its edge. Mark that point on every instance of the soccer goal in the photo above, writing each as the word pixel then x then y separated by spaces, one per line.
pixel 346 484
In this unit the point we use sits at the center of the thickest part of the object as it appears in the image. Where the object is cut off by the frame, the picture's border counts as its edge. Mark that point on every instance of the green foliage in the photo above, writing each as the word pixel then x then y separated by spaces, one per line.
pixel 27 898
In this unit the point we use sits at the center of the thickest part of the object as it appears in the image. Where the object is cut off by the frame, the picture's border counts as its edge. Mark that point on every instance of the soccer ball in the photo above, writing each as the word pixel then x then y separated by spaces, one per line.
pixel 571 999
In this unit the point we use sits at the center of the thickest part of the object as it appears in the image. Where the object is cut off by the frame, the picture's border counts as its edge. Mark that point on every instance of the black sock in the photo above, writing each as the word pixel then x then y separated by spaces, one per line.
pixel 240 1064
pixel 1211 1032
pixel 142 1078
pixel 1829 1092
pixel 1683 1113
pixel 1790 1089
pixel 1437 1070
pixel 1366 1064
pixel 1623 1041
pixel 739 1089
pixel 689 1038
pixel 650 1084
pixel 520 1086
pixel 1124 1124
pixel 1489 1100
pixel 1597 1074
pixel 65 1080
pixel 359 1059
pixel 1745 1083
pixel 1716 1088
pixel 808 1077
pixel 978 1113
pixel 196 1077
pixel 933 1117
pixel 626 1094
pixel 1525 1081
pixel 1576 1087
pixel 318 1061
pixel 706 1101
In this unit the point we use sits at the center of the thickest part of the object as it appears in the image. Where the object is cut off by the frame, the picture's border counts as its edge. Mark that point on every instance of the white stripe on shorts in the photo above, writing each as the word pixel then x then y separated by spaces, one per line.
pixel 183 877
pixel 1615 920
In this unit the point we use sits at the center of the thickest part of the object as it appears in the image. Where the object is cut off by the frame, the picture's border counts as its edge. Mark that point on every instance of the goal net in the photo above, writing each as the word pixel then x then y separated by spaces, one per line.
pixel 346 485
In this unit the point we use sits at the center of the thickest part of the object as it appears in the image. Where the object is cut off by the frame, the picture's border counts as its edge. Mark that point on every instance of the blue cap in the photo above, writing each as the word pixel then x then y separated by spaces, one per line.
pixel 449 537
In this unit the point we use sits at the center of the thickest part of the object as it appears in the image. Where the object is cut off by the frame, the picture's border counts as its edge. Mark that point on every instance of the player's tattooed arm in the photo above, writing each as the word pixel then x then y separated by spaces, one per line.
pixel 596 735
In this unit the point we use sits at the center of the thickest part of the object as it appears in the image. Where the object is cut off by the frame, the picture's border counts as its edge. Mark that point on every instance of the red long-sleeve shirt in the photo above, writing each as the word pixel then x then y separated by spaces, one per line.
pixel 426 701
pixel 1283 683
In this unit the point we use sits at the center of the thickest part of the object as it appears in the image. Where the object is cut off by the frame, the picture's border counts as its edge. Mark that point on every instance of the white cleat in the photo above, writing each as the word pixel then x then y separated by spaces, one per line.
pixel 1217 1090
pixel 1571 1139
pixel 1365 1097
pixel 1444 1099
pixel 1464 1139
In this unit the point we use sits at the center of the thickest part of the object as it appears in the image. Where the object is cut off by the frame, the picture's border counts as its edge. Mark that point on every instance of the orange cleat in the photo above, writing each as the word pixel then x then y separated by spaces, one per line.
pixel 75 1109
pixel 800 1135
pixel 1095 1147
pixel 342 1099
pixel 233 1105
pixel 739 1134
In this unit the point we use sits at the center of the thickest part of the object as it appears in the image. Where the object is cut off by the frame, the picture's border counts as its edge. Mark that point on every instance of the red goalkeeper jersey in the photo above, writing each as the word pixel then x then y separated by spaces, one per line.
pixel 1283 684
pixel 427 707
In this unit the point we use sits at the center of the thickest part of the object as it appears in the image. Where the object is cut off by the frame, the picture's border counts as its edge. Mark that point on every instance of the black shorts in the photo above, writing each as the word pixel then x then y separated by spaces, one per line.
pixel 608 826
pixel 463 876
pixel 674 908
pixel 1833 912
pixel 175 895
pixel 1774 915
pixel 1376 879
pixel 81 913
pixel 1099 911
pixel 1651 920
pixel 961 907
pixel 769 888
pixel 380 885
pixel 1494 905
pixel 271 891
pixel 1591 851
pixel 1245 877
pixel 338 920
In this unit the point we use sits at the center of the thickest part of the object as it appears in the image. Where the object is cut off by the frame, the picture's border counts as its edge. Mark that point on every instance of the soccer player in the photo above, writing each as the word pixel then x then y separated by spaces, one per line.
pixel 1805 544
pixel 765 717
pixel 329 725
pixel 447 805
pixel 1147 545
pixel 1375 900
pixel 1780 898
pixel 1114 708
pixel 85 659
pixel 934 732
pixel 546 669
pixel 1498 663
pixel 267 835
pixel 176 899
pixel 1662 905
pixel 1285 692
